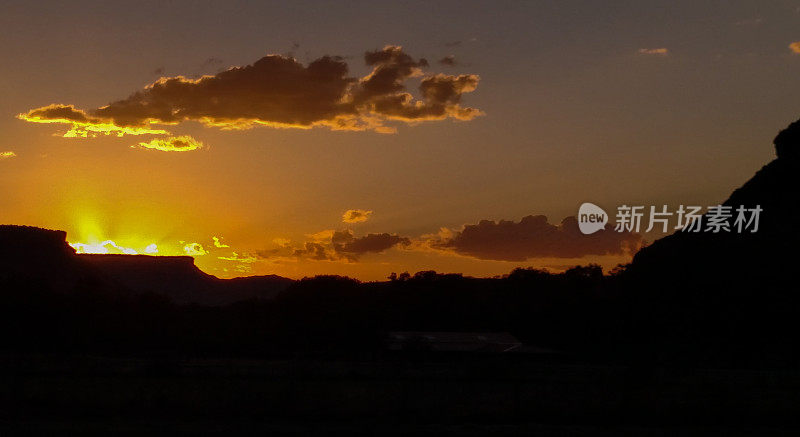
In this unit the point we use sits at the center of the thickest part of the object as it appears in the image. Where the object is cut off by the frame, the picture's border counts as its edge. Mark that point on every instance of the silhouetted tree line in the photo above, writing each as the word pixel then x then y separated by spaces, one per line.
pixel 634 316
pixel 323 314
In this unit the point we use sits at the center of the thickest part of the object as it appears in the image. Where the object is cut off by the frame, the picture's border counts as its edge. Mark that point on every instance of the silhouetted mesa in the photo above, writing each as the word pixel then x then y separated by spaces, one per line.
pixel 45 257
pixel 25 245
pixel 179 278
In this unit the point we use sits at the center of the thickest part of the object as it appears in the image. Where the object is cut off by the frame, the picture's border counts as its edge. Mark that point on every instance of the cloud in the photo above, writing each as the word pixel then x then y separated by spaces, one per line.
pixel 533 237
pixel 657 51
pixel 194 249
pixel 248 259
pixel 183 143
pixel 7 155
pixel 318 248
pixel 106 247
pixel 218 243
pixel 351 247
pixel 331 245
pixel 795 47
pixel 441 97
pixel 278 91
pixel 356 216
pixel 283 242
pixel 530 238
pixel 315 251
pixel 84 125
pixel 448 60
pixel 321 235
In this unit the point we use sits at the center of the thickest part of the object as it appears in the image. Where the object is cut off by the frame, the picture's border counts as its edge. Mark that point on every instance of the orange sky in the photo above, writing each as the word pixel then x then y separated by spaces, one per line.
pixel 267 126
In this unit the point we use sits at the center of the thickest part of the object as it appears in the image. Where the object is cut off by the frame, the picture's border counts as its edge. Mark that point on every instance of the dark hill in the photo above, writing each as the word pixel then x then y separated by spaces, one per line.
pixel 28 249
pixel 179 278
pixel 764 253
pixel 36 258
pixel 727 292
pixel 43 258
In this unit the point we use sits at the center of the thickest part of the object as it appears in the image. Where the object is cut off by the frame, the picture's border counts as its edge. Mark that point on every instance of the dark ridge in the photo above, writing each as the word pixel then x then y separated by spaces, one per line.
pixel 707 294
pixel 44 256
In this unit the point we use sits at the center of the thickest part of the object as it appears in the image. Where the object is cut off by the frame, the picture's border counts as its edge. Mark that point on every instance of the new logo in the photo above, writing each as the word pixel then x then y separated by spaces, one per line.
pixel 591 218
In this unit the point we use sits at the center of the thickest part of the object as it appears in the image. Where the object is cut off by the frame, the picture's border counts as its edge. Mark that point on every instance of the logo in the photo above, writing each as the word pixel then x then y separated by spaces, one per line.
pixel 591 218
pixel 689 218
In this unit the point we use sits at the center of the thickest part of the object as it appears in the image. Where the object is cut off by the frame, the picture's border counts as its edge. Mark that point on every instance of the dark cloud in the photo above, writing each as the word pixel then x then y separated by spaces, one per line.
pixel 351 247
pixel 60 112
pixel 534 237
pixel 441 97
pixel 313 251
pixel 158 71
pixel 279 91
pixel 531 237
pixel 442 89
pixel 448 60
pixel 274 90
pixel 82 124
pixel 338 246
pixel 392 67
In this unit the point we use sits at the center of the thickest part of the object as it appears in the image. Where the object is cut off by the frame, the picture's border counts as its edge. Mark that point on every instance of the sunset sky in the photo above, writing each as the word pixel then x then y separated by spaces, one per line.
pixel 361 139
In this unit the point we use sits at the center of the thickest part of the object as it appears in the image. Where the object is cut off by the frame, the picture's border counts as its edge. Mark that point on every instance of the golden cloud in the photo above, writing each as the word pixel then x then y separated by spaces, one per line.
pixel 658 51
pixel 82 125
pixel 356 216
pixel 795 47
pixel 7 155
pixel 248 259
pixel 282 242
pixel 183 143
pixel 105 247
pixel 321 235
pixel 278 91
pixel 194 249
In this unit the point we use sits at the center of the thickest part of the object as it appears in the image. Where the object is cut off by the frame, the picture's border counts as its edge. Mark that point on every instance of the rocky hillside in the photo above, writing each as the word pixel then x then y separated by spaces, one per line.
pixel 43 258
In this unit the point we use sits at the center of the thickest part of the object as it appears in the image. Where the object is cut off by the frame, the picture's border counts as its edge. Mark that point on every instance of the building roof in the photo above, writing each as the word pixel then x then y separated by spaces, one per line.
pixel 453 341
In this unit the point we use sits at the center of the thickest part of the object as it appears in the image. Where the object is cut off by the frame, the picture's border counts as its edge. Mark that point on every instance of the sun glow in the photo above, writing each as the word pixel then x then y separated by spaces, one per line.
pixel 120 233
pixel 96 233
pixel 105 247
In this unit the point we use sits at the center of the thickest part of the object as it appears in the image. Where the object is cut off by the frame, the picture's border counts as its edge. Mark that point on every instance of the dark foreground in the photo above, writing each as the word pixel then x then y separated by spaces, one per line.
pixel 701 329
pixel 435 394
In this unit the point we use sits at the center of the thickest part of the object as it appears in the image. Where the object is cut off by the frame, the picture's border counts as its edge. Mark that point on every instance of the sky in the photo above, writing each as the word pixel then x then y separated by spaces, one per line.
pixel 366 138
